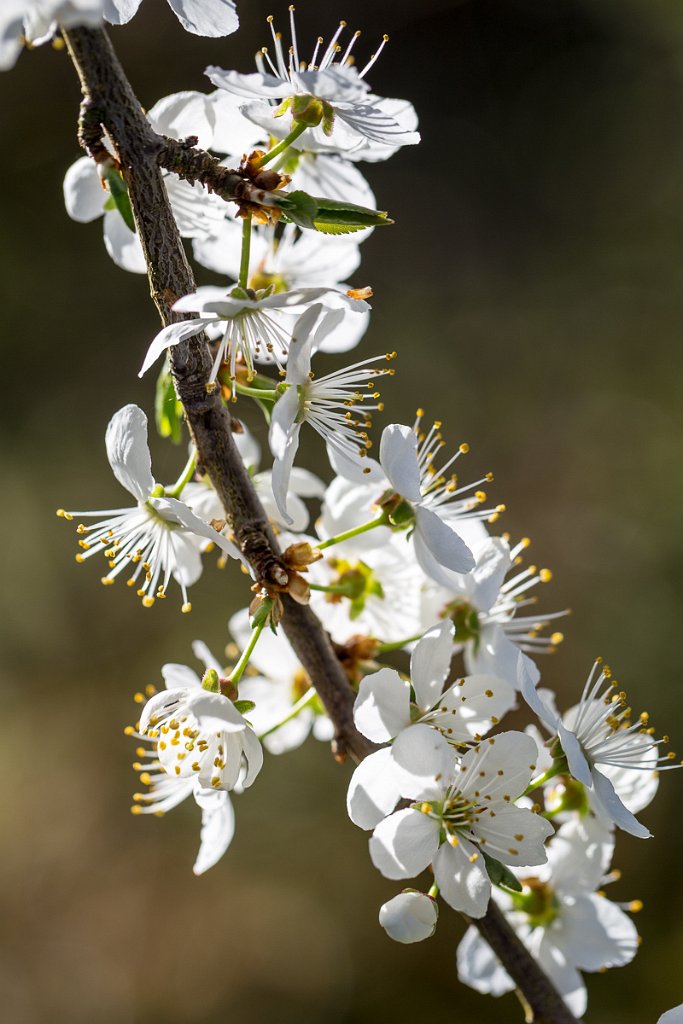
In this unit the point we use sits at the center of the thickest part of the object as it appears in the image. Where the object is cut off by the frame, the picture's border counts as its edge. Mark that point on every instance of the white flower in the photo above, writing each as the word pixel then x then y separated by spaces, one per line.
pixel 566 925
pixel 383 710
pixel 409 917
pixel 281 682
pixel 288 260
pixel 463 809
pixel 213 18
pixel 158 537
pixel 202 736
pixel 324 402
pixel 333 94
pixel 166 791
pixel 429 502
pixel 599 733
pixel 35 22
pixel 255 325
pixel 485 605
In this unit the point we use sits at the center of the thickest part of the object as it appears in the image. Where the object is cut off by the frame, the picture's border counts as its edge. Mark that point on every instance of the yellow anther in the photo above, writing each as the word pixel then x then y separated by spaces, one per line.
pixel 136 809
pixel 426 808
pixel 106 581
pixel 147 601
pixel 480 495
pixel 146 779
pixel 635 906
pixel 79 557
pixel 63 514
pixel 129 731
pixel 545 575
pixel 557 638
pixel 187 607
pixel 464 448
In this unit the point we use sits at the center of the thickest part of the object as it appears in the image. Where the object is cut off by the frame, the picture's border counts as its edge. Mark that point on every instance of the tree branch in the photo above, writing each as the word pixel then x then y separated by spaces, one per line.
pixel 110 104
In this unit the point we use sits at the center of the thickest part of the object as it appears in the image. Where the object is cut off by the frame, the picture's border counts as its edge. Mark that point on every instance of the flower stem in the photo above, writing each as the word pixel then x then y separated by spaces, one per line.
pixel 302 703
pixel 381 520
pixel 398 644
pixel 268 393
pixel 558 766
pixel 184 478
pixel 246 249
pixel 342 591
pixel 298 129
pixel 239 668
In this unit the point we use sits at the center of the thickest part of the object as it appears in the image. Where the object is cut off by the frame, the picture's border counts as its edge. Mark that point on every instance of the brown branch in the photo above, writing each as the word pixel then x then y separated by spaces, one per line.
pixel 110 104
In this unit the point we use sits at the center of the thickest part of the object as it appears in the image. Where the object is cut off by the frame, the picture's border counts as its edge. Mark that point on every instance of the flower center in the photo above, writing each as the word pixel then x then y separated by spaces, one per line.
pixel 537 900
pixel 355 581
pixel 465 618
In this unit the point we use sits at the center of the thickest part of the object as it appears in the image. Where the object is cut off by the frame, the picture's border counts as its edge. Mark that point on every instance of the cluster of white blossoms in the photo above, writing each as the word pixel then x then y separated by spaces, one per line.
pixel 431 610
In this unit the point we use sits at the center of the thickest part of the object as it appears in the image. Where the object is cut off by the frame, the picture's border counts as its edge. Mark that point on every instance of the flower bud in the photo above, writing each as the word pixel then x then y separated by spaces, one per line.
pixel 409 917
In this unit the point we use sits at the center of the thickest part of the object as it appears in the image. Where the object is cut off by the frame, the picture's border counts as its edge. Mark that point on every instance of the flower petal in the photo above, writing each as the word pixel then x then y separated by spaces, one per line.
pixel 423 760
pixel 128 451
pixel 398 458
pixel 84 197
pixel 596 933
pixel 462 879
pixel 119 12
pixel 430 663
pixel 170 336
pixel 122 244
pixel 444 544
pixel 527 687
pixel 609 802
pixel 404 844
pixel 479 967
pixel 382 707
pixel 212 18
pixel 373 791
pixel 284 443
pixel 218 827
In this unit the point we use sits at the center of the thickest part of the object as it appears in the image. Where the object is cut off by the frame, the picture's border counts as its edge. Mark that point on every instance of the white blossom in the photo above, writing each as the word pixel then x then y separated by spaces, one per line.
pixel 329 82
pixel 599 732
pixel 160 536
pixel 409 917
pixel 461 809
pixel 167 791
pixel 202 736
pixel 34 22
pixel 565 923
pixel 384 710
pixel 254 324
pixel 674 1016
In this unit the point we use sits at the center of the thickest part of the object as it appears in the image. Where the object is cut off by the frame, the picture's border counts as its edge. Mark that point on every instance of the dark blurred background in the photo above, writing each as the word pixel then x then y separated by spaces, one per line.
pixel 532 285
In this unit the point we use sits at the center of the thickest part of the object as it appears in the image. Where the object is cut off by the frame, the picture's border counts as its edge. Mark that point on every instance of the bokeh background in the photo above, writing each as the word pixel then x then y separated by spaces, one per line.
pixel 532 285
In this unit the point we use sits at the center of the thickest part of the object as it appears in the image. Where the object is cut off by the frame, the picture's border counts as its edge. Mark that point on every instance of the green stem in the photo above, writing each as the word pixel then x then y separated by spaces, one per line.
pixel 342 591
pixel 555 769
pixel 302 703
pixel 239 668
pixel 298 129
pixel 398 644
pixel 381 520
pixel 267 393
pixel 184 478
pixel 246 249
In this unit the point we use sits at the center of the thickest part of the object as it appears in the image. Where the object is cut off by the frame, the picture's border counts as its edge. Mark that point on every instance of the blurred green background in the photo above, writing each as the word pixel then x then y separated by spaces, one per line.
pixel 532 285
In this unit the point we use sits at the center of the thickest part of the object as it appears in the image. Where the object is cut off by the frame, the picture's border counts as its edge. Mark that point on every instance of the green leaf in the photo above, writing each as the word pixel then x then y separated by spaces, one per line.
pixel 500 874
pixel 329 215
pixel 168 410
pixel 119 193
pixel 262 613
pixel 244 706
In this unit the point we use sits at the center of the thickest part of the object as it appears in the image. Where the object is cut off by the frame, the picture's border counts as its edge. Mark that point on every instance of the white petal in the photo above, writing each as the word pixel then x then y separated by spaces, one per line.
pixel 177 511
pixel 398 458
pixel 608 801
pixel 184 113
pixel 674 1016
pixel 382 707
pixel 128 451
pixel 206 17
pixel 253 754
pixel 462 879
pixel 479 967
pixel 119 12
pixel 84 196
pixel 499 767
pixel 442 541
pixel 203 654
pixel 218 827
pixel 576 759
pixel 284 443
pixel 373 790
pixel 430 663
pixel 170 336
pixel 493 562
pixel 176 676
pixel 214 711
pixel 527 687
pixel 254 86
pixel 496 654
pixel 409 917
pixel 122 244
pixel 563 975
pixel 404 844
pixel 579 856
pixel 299 358
pixel 514 835
pixel 423 759
pixel 306 484
pixel 596 934
pixel 467 709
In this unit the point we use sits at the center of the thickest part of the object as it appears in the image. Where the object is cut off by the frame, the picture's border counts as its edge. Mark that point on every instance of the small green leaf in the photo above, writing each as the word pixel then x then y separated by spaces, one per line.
pixel 500 874
pixel 329 215
pixel 119 193
pixel 168 410
pixel 262 613
pixel 244 706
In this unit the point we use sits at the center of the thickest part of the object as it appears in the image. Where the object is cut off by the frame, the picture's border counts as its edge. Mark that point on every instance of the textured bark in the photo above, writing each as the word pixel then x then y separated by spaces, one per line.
pixel 110 104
